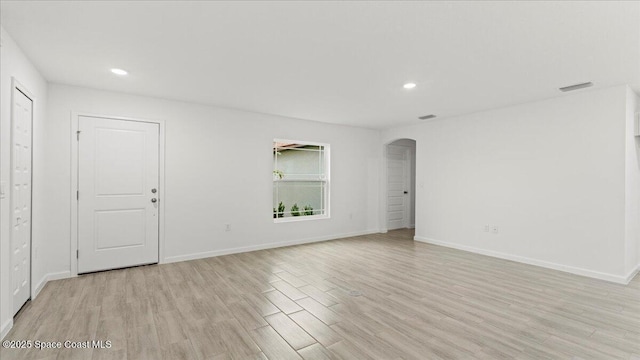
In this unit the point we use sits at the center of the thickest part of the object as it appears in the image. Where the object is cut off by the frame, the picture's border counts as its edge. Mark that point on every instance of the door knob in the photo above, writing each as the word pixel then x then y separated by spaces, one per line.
pixel 154 200
pixel 153 191
pixel 406 192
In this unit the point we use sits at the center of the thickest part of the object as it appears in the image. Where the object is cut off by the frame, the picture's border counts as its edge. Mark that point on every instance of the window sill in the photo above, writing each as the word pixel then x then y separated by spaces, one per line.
pixel 300 218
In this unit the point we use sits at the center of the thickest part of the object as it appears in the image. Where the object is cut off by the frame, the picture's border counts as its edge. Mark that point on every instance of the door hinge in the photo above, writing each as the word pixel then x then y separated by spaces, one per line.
pixel 78 135
pixel 77 194
pixel 77 254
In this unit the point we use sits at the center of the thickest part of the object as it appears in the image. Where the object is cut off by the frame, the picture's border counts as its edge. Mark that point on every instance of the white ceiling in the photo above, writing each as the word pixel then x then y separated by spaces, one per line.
pixel 337 62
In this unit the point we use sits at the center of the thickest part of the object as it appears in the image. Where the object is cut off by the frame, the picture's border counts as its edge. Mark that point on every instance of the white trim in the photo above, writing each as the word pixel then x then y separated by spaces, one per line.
pixel 383 184
pixel 525 260
pixel 326 151
pixel 301 142
pixel 407 187
pixel 633 274
pixel 40 286
pixel 6 327
pixel 73 262
pixel 300 218
pixel 207 254
pixel 49 277
pixel 16 85
pixel 74 183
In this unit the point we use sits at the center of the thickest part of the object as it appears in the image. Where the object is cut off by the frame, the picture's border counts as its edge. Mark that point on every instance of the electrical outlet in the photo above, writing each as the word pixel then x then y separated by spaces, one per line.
pixel 227 227
pixel 486 228
pixel 494 229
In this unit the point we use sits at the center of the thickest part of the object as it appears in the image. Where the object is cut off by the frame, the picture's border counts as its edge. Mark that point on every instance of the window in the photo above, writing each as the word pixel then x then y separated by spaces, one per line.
pixel 300 180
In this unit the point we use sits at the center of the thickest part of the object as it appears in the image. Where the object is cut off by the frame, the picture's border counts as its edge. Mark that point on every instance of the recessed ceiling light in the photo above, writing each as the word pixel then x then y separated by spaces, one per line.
pixel 119 72
pixel 409 85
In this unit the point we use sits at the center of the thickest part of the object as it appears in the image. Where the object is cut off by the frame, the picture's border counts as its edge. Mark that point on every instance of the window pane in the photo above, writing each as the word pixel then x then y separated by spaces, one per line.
pixel 302 193
pixel 299 162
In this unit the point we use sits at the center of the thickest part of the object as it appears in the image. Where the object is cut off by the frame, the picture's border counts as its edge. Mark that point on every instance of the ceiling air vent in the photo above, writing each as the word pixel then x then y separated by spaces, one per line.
pixel 576 87
pixel 427 117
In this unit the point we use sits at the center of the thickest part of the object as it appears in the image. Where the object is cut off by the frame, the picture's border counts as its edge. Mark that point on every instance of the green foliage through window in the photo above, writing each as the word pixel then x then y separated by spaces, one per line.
pixel 308 210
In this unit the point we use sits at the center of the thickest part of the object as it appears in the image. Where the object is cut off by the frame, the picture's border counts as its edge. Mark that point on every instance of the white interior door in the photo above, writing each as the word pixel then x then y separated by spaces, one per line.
pixel 397 187
pixel 21 198
pixel 118 169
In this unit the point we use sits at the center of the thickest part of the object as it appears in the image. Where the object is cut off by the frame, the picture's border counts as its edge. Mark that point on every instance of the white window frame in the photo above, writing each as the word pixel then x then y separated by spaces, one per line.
pixel 327 187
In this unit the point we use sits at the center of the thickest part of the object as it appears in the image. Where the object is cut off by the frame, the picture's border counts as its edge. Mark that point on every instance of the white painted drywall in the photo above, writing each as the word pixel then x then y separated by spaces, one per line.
pixel 632 184
pixel 549 174
pixel 13 63
pixel 218 171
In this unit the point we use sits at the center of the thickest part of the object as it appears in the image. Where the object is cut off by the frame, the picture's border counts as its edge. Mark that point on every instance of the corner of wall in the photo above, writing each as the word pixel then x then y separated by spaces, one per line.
pixel 15 64
pixel 6 327
pixel 632 183
pixel 45 279
pixel 527 189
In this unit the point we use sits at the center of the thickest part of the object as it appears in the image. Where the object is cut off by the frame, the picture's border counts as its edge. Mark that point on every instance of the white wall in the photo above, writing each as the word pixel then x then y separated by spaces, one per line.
pixel 549 174
pixel 632 185
pixel 218 171
pixel 554 176
pixel 13 63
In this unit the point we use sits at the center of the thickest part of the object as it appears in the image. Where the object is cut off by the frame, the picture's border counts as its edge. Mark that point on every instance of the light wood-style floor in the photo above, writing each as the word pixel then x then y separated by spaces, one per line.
pixel 417 301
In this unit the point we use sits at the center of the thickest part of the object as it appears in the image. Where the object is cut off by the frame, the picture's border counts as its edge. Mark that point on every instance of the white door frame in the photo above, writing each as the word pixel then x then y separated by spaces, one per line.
pixel 383 215
pixel 74 183
pixel 17 86
pixel 406 221
pixel 406 173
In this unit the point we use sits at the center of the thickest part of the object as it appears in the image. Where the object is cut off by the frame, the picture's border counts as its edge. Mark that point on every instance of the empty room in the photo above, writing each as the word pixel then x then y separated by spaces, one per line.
pixel 319 180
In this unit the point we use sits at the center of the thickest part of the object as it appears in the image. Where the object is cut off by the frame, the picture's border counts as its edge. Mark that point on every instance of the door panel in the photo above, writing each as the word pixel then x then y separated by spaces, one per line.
pixel 397 184
pixel 118 164
pixel 21 199
pixel 120 228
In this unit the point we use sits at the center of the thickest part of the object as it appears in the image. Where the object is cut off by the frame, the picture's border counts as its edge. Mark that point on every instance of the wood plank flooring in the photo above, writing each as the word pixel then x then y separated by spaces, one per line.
pixel 417 301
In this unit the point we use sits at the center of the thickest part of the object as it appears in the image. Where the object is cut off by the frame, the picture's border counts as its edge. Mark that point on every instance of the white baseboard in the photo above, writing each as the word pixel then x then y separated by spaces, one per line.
pixel 46 278
pixel 6 327
pixel 207 254
pixel 633 274
pixel 546 264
